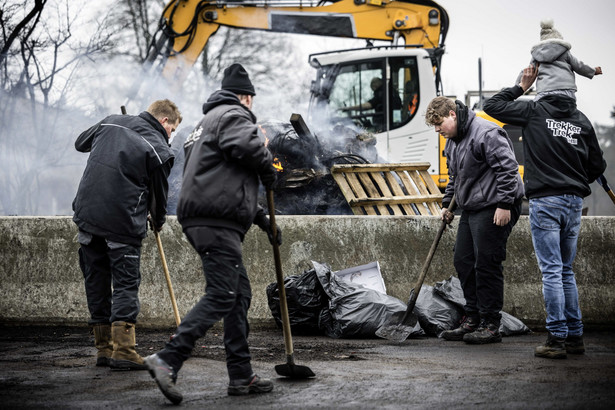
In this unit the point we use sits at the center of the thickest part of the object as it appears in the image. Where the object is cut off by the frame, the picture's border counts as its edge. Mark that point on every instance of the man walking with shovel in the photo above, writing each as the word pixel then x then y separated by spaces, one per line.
pixel 217 205
pixel 483 176
pixel 125 179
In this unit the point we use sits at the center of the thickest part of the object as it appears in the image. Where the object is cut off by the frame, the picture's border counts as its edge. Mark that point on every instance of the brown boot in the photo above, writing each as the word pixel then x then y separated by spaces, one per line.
pixel 554 348
pixel 102 341
pixel 124 356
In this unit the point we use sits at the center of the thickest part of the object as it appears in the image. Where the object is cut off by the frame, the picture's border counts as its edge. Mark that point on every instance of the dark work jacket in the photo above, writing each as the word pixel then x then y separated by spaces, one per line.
pixel 224 157
pixel 482 168
pixel 562 154
pixel 125 177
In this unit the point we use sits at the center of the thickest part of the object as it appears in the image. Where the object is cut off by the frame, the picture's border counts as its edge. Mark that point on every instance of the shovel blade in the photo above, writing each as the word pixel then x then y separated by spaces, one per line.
pixel 294 371
pixel 397 328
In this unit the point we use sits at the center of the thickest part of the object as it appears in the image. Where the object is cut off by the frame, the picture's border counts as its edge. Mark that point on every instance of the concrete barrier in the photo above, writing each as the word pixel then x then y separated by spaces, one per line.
pixel 42 282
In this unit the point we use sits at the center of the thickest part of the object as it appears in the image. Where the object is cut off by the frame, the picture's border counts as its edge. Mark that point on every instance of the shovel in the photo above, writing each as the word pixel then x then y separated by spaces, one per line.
pixel 289 369
pixel 399 326
pixel 602 181
pixel 167 277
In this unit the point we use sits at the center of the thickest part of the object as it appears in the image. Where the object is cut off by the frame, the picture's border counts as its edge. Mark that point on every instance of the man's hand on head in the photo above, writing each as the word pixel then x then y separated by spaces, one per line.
pixel 529 76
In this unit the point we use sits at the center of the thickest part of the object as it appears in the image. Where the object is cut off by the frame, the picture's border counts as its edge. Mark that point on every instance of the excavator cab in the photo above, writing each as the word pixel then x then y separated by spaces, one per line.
pixel 381 91
pixel 377 95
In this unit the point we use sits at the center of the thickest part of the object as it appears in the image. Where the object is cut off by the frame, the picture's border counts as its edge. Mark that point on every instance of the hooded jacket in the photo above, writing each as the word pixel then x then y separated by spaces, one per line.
pixel 557 66
pixel 562 154
pixel 482 168
pixel 224 157
pixel 125 177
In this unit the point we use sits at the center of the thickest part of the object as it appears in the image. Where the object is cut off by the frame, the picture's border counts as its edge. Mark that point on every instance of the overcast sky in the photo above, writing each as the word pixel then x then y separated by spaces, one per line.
pixel 502 32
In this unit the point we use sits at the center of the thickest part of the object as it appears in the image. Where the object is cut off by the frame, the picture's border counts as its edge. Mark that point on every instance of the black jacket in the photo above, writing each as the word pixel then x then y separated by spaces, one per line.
pixel 562 155
pixel 125 177
pixel 224 157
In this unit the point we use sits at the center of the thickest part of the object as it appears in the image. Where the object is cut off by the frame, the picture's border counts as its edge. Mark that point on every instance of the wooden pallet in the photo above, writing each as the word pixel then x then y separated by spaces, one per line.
pixel 389 189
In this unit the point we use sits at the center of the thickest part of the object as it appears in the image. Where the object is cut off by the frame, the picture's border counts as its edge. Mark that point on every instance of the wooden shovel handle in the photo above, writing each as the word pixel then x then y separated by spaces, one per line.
pixel 432 251
pixel 288 342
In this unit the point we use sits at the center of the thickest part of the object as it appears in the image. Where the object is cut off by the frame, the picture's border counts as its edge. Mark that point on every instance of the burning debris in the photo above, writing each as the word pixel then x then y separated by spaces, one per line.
pixel 305 185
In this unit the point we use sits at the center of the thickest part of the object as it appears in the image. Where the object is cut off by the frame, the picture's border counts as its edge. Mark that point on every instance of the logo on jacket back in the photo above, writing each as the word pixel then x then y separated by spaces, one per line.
pixel 193 137
pixel 564 129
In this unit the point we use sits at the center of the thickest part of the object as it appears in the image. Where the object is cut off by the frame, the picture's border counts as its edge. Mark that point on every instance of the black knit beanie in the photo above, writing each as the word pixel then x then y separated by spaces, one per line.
pixel 236 79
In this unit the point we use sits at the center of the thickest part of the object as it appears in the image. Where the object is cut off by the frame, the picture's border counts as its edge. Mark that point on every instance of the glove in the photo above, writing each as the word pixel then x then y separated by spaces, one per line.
pixel 268 179
pixel 153 226
pixel 263 222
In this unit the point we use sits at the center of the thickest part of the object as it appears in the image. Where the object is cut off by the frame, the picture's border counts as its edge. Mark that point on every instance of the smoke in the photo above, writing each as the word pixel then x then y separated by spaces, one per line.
pixel 41 168
pixel 40 165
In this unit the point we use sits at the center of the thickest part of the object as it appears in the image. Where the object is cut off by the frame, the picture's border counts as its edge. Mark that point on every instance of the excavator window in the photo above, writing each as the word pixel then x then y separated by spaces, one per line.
pixel 404 76
pixel 360 93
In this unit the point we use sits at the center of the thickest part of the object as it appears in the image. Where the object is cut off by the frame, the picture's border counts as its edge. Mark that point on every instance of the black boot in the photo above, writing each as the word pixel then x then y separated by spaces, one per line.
pixel 574 345
pixel 487 332
pixel 165 377
pixel 252 384
pixel 554 348
pixel 468 325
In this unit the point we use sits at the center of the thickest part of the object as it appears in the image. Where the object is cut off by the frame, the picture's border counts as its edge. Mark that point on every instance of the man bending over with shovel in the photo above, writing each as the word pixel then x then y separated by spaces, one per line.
pixel 483 175
pixel 124 179
pixel 217 205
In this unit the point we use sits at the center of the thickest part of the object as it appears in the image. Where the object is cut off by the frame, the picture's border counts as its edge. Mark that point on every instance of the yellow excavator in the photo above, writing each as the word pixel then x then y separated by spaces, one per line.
pixel 188 24
pixel 380 89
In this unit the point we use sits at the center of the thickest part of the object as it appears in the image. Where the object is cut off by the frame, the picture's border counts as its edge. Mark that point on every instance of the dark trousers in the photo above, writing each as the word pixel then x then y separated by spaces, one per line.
pixel 480 249
pixel 112 277
pixel 227 296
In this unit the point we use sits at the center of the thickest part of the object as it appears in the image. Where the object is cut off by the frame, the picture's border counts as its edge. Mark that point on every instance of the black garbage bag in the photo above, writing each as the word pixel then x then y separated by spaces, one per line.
pixel 354 310
pixel 450 290
pixel 305 299
pixel 436 314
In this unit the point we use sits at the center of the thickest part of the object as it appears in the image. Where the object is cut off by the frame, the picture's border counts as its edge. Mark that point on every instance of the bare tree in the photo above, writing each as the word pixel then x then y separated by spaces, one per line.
pixel 38 70
pixel 267 55
pixel 136 22
pixel 14 30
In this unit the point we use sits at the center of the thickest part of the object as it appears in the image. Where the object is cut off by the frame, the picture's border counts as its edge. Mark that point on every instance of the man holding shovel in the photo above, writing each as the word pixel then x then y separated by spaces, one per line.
pixel 224 158
pixel 484 177
pixel 124 179
pixel 562 158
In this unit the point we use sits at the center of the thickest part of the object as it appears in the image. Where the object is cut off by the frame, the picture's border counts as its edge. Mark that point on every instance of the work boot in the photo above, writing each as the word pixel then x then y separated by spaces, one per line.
pixel 165 377
pixel 102 341
pixel 124 356
pixel 554 348
pixel 252 384
pixel 468 325
pixel 574 344
pixel 487 332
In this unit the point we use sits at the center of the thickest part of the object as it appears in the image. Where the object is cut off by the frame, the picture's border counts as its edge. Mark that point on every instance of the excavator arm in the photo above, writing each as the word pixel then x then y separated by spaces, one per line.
pixel 187 25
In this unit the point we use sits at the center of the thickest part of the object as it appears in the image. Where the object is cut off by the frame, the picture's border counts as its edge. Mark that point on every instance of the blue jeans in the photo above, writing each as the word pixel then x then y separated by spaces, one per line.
pixel 555 222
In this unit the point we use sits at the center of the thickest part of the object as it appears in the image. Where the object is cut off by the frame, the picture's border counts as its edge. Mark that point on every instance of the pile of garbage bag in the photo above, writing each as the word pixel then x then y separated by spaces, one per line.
pixel 319 302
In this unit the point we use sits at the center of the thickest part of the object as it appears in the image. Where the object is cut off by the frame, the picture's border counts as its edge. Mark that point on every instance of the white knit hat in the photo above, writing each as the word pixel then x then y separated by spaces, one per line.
pixel 548 32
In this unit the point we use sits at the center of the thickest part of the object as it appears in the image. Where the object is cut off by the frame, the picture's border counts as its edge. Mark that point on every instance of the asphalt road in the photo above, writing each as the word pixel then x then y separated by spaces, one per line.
pixel 53 367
